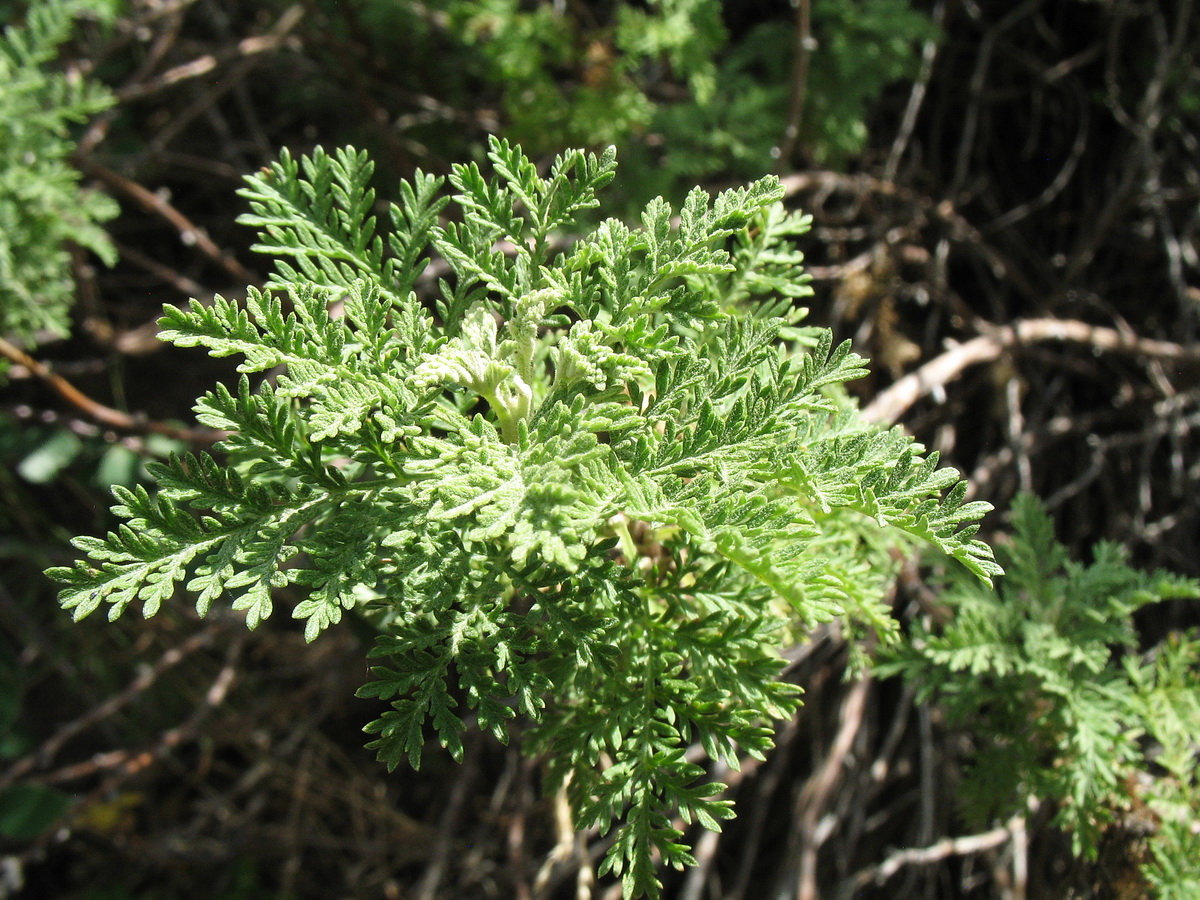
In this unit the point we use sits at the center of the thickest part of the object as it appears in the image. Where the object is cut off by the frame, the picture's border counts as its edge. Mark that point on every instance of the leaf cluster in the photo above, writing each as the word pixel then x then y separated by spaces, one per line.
pixel 41 204
pixel 1167 686
pixel 584 484
pixel 686 99
pixel 1046 673
pixel 863 48
pixel 570 77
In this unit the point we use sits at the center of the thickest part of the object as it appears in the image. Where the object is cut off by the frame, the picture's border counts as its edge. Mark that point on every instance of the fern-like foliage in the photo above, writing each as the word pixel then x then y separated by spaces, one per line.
pixel 1044 671
pixel 1167 687
pixel 41 205
pixel 586 487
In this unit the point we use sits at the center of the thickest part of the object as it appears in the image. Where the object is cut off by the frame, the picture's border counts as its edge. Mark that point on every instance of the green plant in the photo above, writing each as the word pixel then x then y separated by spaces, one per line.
pixel 1167 691
pixel 685 101
pixel 863 46
pixel 1059 706
pixel 578 76
pixel 588 487
pixel 41 204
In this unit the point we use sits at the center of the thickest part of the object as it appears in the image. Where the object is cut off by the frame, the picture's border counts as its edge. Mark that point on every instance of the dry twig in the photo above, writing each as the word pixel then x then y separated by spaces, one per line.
pixel 893 402
pixel 105 415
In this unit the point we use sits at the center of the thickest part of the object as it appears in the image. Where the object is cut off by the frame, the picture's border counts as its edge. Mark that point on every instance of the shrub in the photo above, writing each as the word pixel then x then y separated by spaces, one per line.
pixel 589 484
pixel 1060 706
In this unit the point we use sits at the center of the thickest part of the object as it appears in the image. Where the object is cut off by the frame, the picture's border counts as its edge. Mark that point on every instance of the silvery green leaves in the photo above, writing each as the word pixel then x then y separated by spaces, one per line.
pixel 1047 674
pixel 579 482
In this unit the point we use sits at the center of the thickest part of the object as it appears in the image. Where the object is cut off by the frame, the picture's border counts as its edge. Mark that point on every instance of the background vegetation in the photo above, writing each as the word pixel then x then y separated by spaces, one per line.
pixel 1005 202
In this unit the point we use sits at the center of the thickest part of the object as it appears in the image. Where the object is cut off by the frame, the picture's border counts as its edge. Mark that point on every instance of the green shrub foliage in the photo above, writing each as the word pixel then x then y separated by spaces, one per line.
pixel 41 204
pixel 686 100
pixel 567 77
pixel 863 47
pixel 588 485
pixel 1046 675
